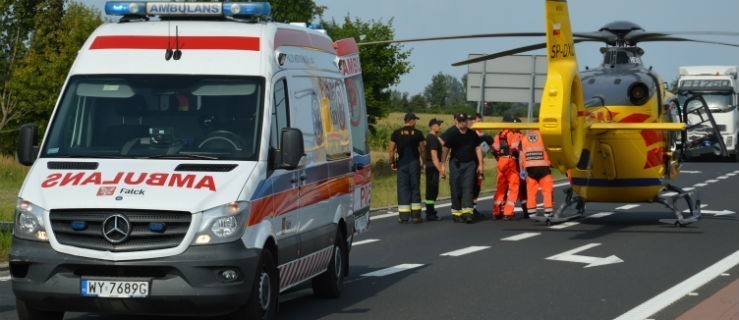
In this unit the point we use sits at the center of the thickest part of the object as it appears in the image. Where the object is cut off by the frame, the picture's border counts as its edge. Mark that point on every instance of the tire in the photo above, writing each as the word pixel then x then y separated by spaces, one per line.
pixel 27 312
pixel 330 283
pixel 262 303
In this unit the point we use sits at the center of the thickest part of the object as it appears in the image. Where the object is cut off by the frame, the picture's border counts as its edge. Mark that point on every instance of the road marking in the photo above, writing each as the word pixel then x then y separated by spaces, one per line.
pixel 669 194
pixel 4 278
pixel 570 256
pixel 724 177
pixel 693 294
pixel 688 171
pixel 391 270
pixel 700 184
pixel 366 241
pixel 600 215
pixel 711 181
pixel 461 252
pixel 522 236
pixel 718 213
pixel 688 189
pixel 664 299
pixel 627 207
pixel 564 225
pixel 731 174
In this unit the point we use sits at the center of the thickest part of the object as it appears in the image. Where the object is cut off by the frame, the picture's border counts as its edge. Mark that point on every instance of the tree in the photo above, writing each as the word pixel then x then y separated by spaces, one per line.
pixel 444 91
pixel 295 10
pixel 417 102
pixel 382 65
pixel 36 72
pixel 16 24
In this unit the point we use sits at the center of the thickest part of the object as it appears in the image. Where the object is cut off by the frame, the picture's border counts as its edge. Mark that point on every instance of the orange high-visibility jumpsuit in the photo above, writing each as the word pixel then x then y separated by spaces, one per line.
pixel 508 174
pixel 535 160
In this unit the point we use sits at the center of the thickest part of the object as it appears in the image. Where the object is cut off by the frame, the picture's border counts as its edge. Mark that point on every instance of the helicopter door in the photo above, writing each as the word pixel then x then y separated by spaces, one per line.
pixel 701 133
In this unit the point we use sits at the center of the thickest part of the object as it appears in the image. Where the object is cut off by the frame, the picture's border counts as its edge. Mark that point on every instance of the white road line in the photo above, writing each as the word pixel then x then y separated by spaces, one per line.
pixel 669 194
pixel 673 294
pixel 461 252
pixel 366 241
pixel 688 189
pixel 564 225
pixel 711 181
pixel 522 236
pixel 724 177
pixel 383 216
pixel 699 185
pixel 600 215
pixel 5 278
pixel 391 270
pixel 627 207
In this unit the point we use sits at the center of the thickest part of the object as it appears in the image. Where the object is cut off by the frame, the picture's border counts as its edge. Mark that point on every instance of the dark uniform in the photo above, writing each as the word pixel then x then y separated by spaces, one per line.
pixel 407 139
pixel 462 169
pixel 432 174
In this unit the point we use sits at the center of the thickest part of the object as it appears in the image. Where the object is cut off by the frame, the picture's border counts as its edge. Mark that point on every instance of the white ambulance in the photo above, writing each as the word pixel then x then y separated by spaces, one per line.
pixel 196 164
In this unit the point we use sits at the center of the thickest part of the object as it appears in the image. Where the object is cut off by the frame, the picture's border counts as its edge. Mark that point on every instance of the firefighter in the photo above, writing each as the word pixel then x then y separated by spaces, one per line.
pixel 465 165
pixel 536 169
pixel 506 147
pixel 485 147
pixel 433 167
pixel 410 145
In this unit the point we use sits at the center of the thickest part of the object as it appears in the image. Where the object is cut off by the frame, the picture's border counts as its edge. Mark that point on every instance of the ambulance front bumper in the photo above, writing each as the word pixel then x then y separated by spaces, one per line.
pixel 189 284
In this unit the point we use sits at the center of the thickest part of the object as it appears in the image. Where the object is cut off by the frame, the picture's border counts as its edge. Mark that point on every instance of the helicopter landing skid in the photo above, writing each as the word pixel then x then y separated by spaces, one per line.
pixel 557 216
pixel 670 199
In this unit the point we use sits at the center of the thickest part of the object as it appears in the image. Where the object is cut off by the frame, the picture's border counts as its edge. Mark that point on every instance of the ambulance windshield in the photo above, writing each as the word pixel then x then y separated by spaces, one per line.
pixel 158 116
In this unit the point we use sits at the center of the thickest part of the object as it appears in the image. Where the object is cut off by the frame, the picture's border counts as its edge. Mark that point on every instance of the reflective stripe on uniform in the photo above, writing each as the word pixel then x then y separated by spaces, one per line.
pixel 404 208
pixel 430 202
pixel 416 206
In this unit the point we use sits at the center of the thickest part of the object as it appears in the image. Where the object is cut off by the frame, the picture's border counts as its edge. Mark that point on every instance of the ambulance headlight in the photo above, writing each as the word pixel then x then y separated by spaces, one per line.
pixel 29 221
pixel 222 224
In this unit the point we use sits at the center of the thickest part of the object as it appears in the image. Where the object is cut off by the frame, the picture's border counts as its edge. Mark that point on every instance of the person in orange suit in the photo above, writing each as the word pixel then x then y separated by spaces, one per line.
pixel 506 148
pixel 535 166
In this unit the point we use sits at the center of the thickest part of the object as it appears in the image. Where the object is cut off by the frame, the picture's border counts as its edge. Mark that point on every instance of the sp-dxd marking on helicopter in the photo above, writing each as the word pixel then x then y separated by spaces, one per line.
pixel 613 129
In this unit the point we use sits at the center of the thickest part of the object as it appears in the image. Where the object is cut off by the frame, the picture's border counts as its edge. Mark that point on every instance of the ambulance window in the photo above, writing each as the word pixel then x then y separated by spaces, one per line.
pixel 279 113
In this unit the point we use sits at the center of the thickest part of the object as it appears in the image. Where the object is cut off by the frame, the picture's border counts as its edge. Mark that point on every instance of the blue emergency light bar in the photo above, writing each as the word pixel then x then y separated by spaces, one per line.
pixel 198 9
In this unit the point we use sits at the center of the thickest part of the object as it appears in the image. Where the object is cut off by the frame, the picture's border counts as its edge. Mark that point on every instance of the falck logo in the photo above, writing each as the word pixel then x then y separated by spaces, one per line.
pixel 116 228
pixel 106 191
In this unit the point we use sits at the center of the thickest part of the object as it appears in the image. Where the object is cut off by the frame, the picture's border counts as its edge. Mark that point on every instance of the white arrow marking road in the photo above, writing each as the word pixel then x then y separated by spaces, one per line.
pixel 570 256
pixel 718 213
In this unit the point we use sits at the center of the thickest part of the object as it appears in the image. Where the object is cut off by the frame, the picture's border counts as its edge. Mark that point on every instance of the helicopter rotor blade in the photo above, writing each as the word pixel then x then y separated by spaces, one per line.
pixel 509 52
pixel 678 39
pixel 465 36
pixel 639 35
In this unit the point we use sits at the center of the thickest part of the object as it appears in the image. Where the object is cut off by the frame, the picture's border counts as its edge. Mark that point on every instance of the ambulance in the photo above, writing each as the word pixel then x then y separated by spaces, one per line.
pixel 200 161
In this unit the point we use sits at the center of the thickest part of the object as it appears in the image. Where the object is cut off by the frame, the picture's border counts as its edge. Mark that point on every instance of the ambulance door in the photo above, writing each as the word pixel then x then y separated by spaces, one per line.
pixel 285 183
pixel 306 99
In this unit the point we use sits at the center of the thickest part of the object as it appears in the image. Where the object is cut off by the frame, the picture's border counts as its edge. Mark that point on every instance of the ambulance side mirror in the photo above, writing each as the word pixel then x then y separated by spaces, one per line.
pixel 292 149
pixel 28 144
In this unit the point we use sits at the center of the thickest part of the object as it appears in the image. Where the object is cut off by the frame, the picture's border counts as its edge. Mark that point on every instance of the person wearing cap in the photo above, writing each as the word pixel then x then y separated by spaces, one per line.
pixel 536 171
pixel 506 147
pixel 409 144
pixel 465 164
pixel 433 167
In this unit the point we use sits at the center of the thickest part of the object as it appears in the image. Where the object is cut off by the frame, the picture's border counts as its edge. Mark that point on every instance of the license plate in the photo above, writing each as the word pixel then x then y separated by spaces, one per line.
pixel 115 288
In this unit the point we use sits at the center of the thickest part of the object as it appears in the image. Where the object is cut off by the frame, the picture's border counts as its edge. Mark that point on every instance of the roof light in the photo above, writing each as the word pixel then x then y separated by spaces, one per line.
pixel 166 8
pixel 253 9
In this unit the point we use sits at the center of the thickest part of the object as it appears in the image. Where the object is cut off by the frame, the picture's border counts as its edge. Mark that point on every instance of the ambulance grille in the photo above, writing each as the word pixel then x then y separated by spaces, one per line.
pixel 149 230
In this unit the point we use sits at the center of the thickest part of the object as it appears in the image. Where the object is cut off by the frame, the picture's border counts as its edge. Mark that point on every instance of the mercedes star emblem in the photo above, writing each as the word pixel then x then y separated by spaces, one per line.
pixel 116 228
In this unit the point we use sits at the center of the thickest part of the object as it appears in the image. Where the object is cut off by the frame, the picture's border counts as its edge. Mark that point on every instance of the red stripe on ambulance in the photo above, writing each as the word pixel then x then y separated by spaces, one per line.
pixel 185 43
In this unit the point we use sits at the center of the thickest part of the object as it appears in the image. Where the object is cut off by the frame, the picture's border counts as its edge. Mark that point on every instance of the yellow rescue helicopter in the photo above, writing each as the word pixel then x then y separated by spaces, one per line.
pixel 613 128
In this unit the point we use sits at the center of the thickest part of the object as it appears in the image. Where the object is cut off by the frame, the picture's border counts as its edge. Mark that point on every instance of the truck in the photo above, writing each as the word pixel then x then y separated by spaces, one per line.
pixel 719 89
pixel 200 160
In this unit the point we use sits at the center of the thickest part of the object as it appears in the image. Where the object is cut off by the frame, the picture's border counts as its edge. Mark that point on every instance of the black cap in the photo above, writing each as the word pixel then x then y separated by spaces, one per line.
pixel 461 116
pixel 410 116
pixel 516 119
pixel 434 121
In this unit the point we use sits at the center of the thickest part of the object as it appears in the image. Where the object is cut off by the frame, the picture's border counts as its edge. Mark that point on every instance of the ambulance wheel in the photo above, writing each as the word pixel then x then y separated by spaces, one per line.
pixel 330 283
pixel 26 312
pixel 262 303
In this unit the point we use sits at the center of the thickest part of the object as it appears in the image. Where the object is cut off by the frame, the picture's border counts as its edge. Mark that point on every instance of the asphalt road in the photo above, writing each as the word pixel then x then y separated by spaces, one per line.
pixel 619 262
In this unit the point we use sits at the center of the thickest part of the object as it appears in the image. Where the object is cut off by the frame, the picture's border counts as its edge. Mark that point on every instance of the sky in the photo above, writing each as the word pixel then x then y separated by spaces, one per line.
pixel 424 18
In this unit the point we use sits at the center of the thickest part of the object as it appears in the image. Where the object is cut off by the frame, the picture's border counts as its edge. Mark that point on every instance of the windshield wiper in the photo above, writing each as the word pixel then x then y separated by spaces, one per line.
pixel 182 156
